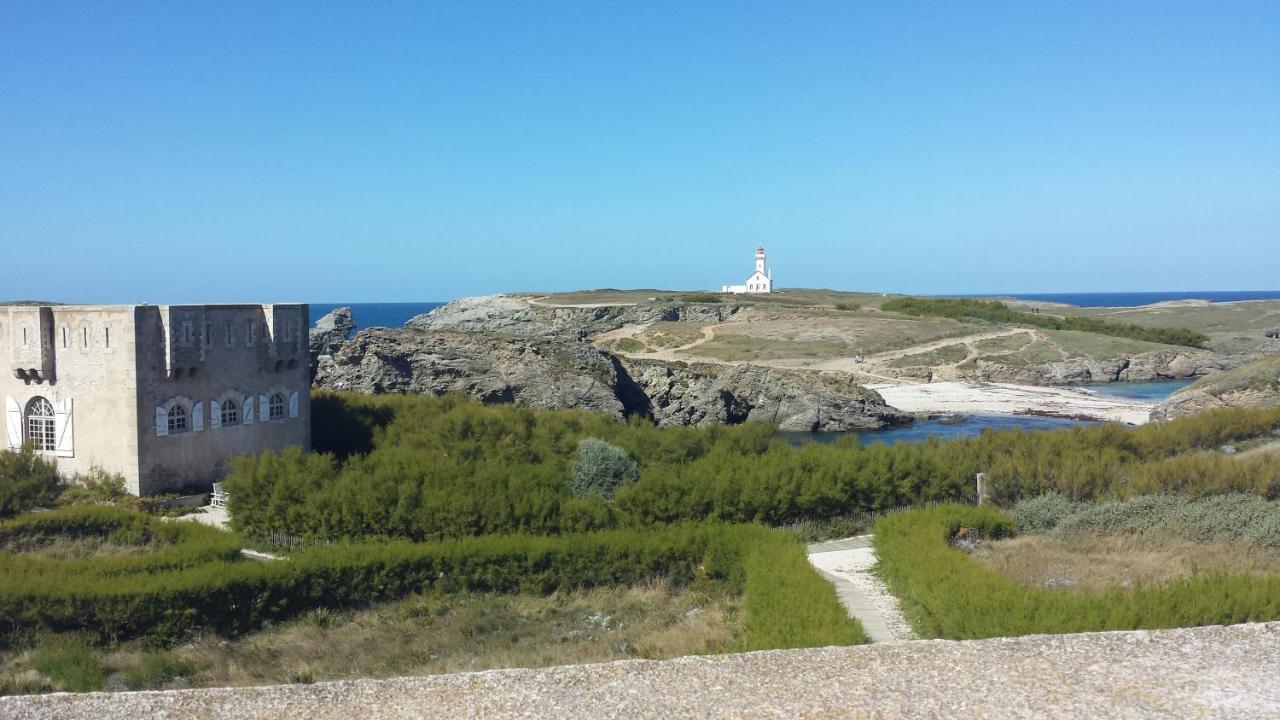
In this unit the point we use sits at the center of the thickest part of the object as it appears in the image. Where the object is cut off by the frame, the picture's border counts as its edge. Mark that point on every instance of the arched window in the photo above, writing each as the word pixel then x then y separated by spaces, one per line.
pixel 276 406
pixel 40 425
pixel 230 413
pixel 178 419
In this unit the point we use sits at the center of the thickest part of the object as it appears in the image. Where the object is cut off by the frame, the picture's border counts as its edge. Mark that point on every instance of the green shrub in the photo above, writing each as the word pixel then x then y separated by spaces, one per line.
pixel 451 467
pixel 1218 518
pixel 700 298
pixel 167 601
pixel 947 593
pixel 789 604
pixel 27 480
pixel 600 468
pixel 1043 513
pixel 850 306
pixel 997 312
pixel 70 661
pixel 98 487
pixel 157 669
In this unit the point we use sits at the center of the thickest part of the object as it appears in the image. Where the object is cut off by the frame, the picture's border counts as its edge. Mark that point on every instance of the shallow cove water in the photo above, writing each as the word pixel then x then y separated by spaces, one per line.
pixel 972 425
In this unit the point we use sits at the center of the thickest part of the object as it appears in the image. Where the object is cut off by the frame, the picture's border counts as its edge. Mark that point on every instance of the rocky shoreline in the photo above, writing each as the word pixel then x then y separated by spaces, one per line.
pixel 503 351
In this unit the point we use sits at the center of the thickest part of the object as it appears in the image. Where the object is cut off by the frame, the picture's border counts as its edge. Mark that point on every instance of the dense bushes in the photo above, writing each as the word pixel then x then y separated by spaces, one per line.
pixel 449 467
pixel 600 468
pixel 167 601
pixel 27 480
pixel 998 312
pixel 1231 518
pixel 948 594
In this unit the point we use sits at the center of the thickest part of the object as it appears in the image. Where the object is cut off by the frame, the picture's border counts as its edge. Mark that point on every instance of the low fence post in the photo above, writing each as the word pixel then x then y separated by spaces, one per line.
pixel 984 492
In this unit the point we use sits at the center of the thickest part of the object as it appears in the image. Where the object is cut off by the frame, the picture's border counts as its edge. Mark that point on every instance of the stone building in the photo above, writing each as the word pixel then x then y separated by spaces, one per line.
pixel 760 281
pixel 164 395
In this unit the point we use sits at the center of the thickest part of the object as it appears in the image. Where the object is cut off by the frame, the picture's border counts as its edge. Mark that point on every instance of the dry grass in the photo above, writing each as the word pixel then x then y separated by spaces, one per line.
pixel 1092 563
pixel 946 355
pixel 671 334
pixel 66 548
pixel 435 633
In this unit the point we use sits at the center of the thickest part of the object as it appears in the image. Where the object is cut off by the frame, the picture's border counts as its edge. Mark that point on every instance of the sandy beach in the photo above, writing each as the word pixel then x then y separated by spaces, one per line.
pixel 977 398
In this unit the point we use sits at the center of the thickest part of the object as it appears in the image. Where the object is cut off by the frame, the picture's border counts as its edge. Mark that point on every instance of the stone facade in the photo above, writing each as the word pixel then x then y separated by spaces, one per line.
pixel 164 395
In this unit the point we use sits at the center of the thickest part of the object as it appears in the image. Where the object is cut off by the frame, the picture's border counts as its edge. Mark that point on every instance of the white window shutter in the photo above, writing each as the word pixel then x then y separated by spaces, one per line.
pixel 13 423
pixel 197 417
pixel 293 404
pixel 63 430
pixel 246 410
pixel 264 408
pixel 162 422
pixel 215 414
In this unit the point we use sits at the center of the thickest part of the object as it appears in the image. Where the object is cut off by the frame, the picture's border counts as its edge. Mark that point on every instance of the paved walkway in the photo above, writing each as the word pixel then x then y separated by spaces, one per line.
pixel 1210 672
pixel 848 564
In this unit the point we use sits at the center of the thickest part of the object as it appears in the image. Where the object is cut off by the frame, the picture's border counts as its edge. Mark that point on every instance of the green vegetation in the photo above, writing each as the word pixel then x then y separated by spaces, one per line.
pixel 731 345
pixel 948 593
pixel 997 312
pixel 27 480
pixel 157 668
pixel 1245 519
pixel 601 468
pixel 200 583
pixel 449 467
pixel 629 345
pixel 790 605
pixel 700 298
pixel 70 661
pixel 847 306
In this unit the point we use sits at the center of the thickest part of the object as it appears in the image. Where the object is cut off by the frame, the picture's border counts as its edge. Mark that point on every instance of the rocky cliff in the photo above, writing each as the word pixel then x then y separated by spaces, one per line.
pixel 536 373
pixel 551 373
pixel 523 316
pixel 1161 365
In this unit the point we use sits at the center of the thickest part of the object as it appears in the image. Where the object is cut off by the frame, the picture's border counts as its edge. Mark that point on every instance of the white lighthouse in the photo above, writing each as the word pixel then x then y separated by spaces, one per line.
pixel 761 281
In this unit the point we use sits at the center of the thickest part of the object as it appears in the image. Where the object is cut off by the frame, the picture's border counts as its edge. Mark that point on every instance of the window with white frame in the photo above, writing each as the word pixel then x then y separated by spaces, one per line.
pixel 179 420
pixel 230 414
pixel 40 425
pixel 276 407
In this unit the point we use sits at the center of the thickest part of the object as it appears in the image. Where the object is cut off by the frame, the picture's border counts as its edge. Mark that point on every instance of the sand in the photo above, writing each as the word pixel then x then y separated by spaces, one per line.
pixel 976 398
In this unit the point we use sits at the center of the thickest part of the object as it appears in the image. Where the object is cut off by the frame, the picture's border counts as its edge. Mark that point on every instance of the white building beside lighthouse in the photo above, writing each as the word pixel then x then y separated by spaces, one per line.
pixel 761 281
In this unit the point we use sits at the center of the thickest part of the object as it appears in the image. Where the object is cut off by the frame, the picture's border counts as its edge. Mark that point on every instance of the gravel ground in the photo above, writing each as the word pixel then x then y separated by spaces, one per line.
pixel 865 592
pixel 1211 672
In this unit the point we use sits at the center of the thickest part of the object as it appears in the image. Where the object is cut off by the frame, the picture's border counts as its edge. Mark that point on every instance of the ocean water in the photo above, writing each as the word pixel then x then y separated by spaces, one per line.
pixel 921 430
pixel 391 315
pixel 1155 390
pixel 1135 299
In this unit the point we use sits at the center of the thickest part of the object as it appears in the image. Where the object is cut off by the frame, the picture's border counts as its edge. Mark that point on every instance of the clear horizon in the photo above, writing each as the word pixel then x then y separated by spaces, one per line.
pixel 242 152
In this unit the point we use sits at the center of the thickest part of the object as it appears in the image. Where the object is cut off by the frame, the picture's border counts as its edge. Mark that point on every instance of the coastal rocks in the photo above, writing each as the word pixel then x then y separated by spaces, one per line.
pixel 523 316
pixel 330 331
pixel 524 371
pixel 795 401
pixel 1079 371
pixel 1253 384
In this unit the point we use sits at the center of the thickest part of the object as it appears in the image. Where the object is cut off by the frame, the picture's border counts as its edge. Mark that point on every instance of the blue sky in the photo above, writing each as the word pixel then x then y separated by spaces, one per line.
pixel 226 151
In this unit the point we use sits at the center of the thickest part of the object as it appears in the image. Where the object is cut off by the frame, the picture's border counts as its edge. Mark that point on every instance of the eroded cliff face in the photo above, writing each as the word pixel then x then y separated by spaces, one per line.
pixel 795 401
pixel 1078 371
pixel 537 373
pixel 555 372
pixel 1255 384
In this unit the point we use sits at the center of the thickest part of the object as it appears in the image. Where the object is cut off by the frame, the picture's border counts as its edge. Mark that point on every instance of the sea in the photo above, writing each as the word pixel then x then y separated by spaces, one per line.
pixel 1137 299
pixel 367 315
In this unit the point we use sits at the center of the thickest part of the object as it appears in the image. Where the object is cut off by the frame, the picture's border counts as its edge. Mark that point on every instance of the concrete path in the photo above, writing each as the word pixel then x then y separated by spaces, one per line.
pixel 1208 672
pixel 848 564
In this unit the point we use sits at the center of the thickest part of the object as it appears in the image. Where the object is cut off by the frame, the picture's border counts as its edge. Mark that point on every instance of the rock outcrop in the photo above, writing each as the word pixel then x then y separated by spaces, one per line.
pixel 794 401
pixel 1161 365
pixel 550 373
pixel 330 331
pixel 1255 384
pixel 515 315
pixel 531 372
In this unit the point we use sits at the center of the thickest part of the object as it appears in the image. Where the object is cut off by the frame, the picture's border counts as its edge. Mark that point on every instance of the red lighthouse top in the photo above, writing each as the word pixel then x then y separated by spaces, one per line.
pixel 759 249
